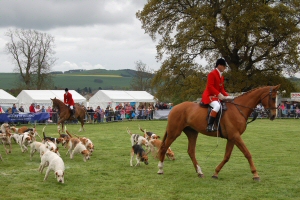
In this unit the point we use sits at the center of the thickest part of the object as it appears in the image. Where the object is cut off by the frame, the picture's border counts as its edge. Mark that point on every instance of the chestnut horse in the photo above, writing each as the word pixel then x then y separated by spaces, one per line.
pixel 65 113
pixel 190 118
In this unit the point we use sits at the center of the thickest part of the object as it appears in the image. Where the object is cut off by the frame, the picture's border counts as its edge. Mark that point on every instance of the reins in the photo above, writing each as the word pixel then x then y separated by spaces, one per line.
pixel 254 110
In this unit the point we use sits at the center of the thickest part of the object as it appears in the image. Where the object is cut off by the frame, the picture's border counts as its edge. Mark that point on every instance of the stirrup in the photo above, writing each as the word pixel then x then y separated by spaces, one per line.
pixel 212 129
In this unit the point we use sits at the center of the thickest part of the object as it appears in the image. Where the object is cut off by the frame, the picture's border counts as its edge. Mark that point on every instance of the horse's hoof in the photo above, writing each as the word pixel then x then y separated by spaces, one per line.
pixel 201 175
pixel 256 179
pixel 215 177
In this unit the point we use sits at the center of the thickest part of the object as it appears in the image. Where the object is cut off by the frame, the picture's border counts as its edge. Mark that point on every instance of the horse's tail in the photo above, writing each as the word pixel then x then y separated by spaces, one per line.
pixel 159 152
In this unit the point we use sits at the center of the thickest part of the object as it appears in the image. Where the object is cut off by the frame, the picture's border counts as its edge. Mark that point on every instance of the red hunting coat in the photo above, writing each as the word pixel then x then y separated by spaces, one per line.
pixel 68 99
pixel 214 86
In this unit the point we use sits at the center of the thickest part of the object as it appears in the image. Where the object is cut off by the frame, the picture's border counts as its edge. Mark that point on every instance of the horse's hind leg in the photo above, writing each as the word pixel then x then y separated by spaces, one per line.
pixel 81 127
pixel 229 148
pixel 192 137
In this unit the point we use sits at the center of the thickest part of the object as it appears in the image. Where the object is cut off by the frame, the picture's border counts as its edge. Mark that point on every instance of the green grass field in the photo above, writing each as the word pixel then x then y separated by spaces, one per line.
pixel 274 146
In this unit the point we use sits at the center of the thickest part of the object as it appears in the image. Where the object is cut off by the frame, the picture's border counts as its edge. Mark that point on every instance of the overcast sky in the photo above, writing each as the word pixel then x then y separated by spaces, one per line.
pixel 89 34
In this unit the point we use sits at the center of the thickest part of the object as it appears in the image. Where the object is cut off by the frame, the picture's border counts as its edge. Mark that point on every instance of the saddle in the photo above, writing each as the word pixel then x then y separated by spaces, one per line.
pixel 219 115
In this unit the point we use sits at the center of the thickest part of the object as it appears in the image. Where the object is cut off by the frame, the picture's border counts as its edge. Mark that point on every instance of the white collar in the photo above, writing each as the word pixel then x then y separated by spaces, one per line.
pixel 219 72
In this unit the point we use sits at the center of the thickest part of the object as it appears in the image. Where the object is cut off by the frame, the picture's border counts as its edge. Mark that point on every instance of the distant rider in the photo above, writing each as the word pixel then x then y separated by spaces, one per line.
pixel 68 100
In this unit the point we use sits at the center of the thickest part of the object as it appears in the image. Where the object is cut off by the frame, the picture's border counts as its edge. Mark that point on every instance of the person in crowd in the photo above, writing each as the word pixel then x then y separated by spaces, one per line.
pixel 122 112
pixel 111 114
pixel 98 111
pixel 297 112
pixel 21 109
pixel 32 108
pixel 117 113
pixel 43 109
pixel 107 113
pixel 102 114
pixel 69 101
pixel 128 110
pixel 9 110
pixel 14 109
pixel 54 115
pixel 214 92
pixel 37 109
pixel 91 112
pixel 1 110
pixel 49 110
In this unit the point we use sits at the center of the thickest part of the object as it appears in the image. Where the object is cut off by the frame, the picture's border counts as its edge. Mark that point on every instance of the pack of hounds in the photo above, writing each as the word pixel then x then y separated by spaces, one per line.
pixel 48 147
pixel 152 143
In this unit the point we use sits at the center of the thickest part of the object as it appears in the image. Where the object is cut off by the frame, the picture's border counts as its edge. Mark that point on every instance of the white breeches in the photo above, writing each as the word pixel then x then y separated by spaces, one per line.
pixel 216 106
pixel 71 107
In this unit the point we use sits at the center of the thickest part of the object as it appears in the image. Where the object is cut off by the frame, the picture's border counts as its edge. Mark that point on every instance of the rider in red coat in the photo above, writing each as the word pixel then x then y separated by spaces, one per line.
pixel 68 100
pixel 214 92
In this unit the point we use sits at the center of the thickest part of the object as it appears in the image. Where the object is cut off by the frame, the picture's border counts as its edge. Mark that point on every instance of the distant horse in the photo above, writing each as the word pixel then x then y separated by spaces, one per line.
pixel 66 114
pixel 190 118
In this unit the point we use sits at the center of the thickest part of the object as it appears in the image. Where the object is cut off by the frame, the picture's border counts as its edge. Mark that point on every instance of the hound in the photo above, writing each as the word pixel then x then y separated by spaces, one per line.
pixel 52 147
pixel 148 135
pixel 140 155
pixel 155 143
pixel 80 148
pixel 5 137
pixel 37 147
pixel 24 140
pixel 55 163
pixel 137 139
pixel 72 144
pixel 24 129
pixel 87 143
pixel 46 138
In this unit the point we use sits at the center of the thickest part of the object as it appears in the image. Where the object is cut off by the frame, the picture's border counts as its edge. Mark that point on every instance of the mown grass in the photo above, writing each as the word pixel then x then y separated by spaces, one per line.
pixel 274 147
pixel 112 79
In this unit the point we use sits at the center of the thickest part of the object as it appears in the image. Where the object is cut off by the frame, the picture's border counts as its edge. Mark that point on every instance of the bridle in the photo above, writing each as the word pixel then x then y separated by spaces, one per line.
pixel 254 110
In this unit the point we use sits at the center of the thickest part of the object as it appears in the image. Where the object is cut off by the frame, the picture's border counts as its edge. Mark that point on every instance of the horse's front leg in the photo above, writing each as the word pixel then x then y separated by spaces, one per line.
pixel 61 121
pixel 82 124
pixel 192 137
pixel 229 148
pixel 241 145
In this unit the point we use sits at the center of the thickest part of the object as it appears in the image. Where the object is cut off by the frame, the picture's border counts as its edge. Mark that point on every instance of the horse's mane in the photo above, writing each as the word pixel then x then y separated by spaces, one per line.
pixel 251 91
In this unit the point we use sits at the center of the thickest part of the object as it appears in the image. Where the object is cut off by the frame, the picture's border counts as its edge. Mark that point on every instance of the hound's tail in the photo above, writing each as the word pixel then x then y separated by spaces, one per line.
pixel 76 135
pixel 141 129
pixel 128 131
pixel 69 134
pixel 44 132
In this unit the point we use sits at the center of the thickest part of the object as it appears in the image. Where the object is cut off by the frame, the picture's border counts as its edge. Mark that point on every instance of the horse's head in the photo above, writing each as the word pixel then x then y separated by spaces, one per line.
pixel 268 100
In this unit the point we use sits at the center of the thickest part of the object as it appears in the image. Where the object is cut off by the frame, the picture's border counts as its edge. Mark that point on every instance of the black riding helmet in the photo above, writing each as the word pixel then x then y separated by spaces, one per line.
pixel 221 61
pixel 66 89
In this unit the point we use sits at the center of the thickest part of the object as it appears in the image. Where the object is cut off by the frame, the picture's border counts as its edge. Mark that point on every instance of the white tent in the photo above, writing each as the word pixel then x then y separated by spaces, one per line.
pixel 7 99
pixel 103 98
pixel 42 97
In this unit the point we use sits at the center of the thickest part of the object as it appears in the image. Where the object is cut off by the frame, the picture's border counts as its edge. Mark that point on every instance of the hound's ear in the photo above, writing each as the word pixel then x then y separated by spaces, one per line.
pixel 158 136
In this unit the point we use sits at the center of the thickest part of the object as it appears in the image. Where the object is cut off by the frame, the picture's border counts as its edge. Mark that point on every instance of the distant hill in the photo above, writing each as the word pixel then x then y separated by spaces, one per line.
pixel 74 79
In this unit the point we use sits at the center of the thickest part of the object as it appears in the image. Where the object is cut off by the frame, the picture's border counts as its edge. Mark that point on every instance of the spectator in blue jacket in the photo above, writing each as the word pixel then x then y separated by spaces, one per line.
pixel 14 109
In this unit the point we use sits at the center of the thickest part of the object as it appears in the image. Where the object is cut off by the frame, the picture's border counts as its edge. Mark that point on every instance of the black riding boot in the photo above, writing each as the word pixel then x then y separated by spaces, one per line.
pixel 73 112
pixel 210 127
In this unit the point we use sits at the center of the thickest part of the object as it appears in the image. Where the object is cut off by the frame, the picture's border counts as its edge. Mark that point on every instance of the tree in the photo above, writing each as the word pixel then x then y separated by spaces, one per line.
pixel 142 78
pixel 258 39
pixel 32 52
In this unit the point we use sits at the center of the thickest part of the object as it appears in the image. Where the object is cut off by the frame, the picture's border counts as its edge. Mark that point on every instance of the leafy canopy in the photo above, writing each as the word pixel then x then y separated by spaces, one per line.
pixel 258 39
